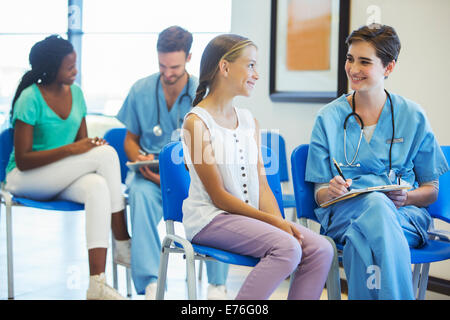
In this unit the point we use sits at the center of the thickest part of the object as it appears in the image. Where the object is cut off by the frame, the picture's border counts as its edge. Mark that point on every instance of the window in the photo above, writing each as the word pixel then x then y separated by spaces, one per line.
pixel 118 41
pixel 23 23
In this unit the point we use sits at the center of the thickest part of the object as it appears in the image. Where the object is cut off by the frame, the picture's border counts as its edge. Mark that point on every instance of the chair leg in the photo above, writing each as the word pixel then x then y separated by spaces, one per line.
pixel 162 273
pixel 334 279
pixel 9 249
pixel 190 271
pixel 416 276
pixel 114 265
pixel 423 282
pixel 128 272
pixel 200 270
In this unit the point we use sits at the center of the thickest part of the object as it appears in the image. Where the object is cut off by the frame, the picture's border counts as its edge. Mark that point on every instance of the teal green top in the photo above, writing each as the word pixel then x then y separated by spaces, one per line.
pixel 50 130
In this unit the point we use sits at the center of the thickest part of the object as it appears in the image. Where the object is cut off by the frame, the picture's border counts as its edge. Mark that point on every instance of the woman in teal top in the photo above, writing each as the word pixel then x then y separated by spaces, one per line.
pixel 54 158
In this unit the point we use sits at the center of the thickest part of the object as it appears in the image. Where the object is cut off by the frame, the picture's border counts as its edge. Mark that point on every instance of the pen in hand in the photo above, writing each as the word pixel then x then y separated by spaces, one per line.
pixel 340 171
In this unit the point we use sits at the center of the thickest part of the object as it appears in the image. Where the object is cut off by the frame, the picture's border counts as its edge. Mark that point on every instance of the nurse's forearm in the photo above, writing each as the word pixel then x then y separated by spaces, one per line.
pixel 422 196
pixel 131 146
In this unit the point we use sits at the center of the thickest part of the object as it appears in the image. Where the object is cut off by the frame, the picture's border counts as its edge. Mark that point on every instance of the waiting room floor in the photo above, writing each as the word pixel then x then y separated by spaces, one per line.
pixel 50 261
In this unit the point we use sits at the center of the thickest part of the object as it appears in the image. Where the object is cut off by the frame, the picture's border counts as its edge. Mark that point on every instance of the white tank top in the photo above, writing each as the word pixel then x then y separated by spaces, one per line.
pixel 236 155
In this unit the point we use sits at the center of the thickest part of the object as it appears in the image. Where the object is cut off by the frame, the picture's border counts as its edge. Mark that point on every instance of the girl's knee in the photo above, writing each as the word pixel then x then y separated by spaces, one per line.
pixel 289 251
pixel 322 252
pixel 326 251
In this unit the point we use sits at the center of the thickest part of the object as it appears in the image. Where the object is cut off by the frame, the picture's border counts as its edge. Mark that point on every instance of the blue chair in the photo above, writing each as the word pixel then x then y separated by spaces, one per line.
pixel 6 146
pixel 175 182
pixel 435 250
pixel 276 142
pixel 115 137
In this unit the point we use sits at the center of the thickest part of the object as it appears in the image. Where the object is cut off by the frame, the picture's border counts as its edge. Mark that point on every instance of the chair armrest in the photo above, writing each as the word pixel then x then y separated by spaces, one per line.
pixel 187 246
pixel 442 235
pixel 6 196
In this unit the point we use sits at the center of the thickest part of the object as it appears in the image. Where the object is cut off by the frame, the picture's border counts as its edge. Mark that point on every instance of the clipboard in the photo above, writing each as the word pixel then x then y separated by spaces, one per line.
pixel 153 164
pixel 356 192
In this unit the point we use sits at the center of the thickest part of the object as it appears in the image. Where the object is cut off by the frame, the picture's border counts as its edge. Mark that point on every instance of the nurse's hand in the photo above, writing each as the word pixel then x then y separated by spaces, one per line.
pixel 338 186
pixel 145 171
pixel 398 197
pixel 150 175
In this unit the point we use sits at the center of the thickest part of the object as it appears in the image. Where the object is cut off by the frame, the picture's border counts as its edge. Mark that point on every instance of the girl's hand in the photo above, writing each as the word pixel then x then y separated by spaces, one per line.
pixel 337 187
pixel 86 144
pixel 398 197
pixel 290 228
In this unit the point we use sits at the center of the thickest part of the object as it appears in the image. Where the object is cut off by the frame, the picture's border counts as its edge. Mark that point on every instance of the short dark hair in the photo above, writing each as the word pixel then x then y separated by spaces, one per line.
pixel 174 39
pixel 382 37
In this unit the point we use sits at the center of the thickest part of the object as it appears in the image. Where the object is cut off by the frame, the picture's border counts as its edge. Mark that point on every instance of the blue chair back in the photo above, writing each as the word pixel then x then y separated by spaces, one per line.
pixel 276 143
pixel 175 181
pixel 116 138
pixel 303 191
pixel 6 146
pixel 441 208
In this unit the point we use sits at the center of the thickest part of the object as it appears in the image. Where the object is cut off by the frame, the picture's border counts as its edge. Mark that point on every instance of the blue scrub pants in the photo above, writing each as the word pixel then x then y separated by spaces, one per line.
pixel 144 198
pixel 376 255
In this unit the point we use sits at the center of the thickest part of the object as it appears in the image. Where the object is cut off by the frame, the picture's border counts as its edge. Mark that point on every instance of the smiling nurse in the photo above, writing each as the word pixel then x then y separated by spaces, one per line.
pixel 377 228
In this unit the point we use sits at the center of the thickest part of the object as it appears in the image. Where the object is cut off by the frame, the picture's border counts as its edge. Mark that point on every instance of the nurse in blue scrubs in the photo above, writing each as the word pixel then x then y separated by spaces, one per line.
pixel 378 138
pixel 152 113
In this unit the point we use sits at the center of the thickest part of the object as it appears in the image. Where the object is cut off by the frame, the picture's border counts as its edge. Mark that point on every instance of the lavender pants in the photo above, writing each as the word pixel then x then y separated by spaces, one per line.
pixel 280 254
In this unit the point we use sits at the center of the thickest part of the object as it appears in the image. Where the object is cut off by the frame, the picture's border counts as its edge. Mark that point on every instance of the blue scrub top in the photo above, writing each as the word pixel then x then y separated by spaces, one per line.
pixel 416 154
pixel 140 116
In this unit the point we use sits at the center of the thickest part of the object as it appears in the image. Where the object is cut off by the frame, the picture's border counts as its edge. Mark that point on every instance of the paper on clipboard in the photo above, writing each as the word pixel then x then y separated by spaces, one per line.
pixel 355 192
pixel 153 164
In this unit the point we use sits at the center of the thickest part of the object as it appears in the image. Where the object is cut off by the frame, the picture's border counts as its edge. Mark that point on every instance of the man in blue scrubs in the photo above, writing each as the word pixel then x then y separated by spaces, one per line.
pixel 152 113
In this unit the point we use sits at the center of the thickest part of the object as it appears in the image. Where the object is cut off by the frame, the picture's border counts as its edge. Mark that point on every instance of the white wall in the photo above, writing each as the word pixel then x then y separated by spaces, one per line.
pixel 421 73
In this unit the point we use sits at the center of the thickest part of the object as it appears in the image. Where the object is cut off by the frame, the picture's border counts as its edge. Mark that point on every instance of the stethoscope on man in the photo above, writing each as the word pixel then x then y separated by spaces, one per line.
pixel 157 130
pixel 352 163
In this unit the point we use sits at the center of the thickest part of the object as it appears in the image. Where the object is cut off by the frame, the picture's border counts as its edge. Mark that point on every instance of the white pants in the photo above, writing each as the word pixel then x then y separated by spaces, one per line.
pixel 92 178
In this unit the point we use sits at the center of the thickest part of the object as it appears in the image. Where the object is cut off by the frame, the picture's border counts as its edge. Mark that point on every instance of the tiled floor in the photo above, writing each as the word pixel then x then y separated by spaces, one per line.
pixel 50 261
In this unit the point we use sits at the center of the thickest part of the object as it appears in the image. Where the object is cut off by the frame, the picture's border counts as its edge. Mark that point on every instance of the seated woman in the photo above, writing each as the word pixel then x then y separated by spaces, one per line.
pixel 378 138
pixel 54 158
pixel 230 204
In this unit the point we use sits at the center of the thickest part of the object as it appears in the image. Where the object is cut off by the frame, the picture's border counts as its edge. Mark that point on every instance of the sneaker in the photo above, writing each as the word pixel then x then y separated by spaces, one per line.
pixel 217 292
pixel 99 290
pixel 122 252
pixel 150 291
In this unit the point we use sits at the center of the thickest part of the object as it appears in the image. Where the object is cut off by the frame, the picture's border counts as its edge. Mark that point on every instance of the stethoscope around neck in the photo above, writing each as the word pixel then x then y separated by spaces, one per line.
pixel 353 113
pixel 157 130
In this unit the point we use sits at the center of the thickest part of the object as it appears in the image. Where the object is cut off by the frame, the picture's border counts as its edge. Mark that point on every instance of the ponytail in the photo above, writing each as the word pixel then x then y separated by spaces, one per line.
pixel 27 80
pixel 200 93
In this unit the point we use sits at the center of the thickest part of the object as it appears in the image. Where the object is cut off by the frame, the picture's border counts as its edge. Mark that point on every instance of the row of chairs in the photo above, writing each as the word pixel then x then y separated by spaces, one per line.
pixel 174 187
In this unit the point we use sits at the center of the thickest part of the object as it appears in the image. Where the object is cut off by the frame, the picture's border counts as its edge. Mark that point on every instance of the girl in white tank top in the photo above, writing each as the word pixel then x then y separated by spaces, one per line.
pixel 230 204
